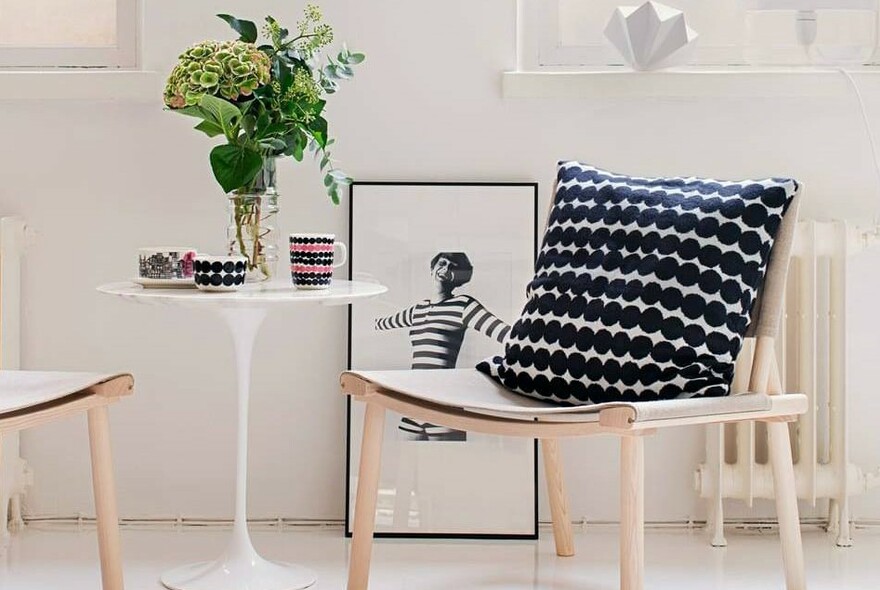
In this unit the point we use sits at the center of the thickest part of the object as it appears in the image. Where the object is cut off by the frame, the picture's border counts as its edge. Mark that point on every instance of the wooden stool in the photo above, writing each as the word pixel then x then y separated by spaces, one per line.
pixel 32 398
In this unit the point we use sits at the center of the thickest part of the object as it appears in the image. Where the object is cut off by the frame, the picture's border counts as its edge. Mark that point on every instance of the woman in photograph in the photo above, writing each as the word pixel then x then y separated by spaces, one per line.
pixel 437 327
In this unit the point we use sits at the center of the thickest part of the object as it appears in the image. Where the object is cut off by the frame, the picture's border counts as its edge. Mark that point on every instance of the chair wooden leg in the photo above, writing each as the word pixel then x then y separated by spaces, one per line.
pixel 632 512
pixel 105 499
pixel 4 502
pixel 786 505
pixel 365 503
pixel 557 496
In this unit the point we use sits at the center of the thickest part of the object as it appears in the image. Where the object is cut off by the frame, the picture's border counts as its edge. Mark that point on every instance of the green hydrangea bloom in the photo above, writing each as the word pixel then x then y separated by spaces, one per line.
pixel 228 69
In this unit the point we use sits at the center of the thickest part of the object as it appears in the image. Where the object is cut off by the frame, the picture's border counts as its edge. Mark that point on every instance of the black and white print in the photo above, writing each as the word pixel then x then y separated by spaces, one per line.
pixel 456 259
pixel 437 326
pixel 643 287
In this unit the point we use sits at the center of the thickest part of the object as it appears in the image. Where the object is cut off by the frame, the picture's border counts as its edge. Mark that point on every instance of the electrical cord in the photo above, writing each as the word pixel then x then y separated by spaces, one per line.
pixel 875 232
pixel 806 28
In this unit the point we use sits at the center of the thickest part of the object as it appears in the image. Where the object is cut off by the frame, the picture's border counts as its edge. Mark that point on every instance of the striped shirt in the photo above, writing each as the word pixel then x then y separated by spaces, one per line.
pixel 437 329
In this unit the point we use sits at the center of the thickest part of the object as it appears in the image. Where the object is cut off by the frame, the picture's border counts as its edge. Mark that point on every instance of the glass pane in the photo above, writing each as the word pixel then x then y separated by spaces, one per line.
pixel 58 23
pixel 718 22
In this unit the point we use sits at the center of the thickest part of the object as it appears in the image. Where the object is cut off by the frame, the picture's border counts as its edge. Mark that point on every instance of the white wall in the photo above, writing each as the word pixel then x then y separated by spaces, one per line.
pixel 99 180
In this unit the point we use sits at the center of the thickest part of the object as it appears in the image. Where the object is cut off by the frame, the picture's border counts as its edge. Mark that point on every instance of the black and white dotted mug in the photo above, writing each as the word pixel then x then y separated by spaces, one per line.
pixel 219 273
pixel 313 258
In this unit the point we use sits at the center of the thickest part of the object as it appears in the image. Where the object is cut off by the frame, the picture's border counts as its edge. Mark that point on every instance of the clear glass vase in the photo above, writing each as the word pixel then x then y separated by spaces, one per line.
pixel 251 230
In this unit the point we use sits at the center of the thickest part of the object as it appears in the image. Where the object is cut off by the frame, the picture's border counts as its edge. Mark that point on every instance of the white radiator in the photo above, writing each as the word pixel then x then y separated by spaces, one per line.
pixel 13 471
pixel 811 350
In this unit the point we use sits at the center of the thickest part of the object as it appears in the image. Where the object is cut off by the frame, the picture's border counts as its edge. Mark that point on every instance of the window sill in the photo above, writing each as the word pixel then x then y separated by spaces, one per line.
pixel 730 82
pixel 80 84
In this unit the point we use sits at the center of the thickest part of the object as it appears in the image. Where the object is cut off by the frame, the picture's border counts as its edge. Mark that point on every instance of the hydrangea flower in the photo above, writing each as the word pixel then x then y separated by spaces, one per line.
pixel 228 69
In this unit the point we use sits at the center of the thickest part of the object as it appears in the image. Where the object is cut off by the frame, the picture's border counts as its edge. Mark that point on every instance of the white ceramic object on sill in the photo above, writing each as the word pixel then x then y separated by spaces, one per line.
pixel 651 36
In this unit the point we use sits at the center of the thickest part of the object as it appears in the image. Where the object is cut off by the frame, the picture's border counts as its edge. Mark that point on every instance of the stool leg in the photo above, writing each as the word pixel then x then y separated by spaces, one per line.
pixel 365 502
pixel 105 499
pixel 4 502
pixel 557 496
pixel 632 513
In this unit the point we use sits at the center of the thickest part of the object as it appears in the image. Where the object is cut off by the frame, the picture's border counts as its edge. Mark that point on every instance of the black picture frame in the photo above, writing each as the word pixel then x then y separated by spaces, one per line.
pixel 533 534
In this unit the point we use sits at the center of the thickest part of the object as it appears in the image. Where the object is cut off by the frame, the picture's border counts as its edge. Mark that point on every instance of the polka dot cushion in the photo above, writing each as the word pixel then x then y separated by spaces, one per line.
pixel 643 287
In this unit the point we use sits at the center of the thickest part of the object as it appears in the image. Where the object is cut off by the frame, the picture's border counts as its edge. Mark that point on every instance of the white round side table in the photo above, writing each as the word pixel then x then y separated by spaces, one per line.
pixel 241 567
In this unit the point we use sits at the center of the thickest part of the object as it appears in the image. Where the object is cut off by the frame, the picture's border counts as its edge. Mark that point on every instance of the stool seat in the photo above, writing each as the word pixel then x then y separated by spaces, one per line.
pixel 21 390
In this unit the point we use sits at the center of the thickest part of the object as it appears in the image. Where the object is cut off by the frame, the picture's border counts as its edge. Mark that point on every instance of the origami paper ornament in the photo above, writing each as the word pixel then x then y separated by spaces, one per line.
pixel 651 36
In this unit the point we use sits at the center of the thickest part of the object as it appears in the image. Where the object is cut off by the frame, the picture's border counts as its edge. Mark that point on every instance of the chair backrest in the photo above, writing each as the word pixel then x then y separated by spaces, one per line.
pixel 771 297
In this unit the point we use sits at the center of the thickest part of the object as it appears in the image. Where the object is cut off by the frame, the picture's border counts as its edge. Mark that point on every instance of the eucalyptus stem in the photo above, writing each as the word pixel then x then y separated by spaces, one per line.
pixel 252 235
pixel 239 220
pixel 256 235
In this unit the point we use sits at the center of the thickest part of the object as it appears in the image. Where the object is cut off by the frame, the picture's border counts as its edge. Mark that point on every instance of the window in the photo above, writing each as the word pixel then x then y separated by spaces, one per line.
pixel 57 33
pixel 562 34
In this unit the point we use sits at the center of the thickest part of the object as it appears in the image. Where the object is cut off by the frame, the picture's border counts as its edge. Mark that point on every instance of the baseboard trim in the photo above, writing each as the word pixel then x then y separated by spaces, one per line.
pixel 294 523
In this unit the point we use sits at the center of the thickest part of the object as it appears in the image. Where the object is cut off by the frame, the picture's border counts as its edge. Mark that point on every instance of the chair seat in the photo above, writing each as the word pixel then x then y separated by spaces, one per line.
pixel 20 390
pixel 474 392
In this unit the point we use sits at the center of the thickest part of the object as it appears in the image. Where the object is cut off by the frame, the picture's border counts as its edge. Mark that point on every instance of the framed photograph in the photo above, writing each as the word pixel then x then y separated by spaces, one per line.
pixel 456 258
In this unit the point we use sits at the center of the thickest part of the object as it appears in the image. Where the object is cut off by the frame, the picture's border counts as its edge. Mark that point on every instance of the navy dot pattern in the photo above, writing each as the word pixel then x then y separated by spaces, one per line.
pixel 643 287
pixel 216 275
pixel 311 261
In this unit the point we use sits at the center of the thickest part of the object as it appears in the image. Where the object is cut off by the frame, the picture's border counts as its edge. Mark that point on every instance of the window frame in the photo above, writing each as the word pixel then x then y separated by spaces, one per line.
pixel 124 55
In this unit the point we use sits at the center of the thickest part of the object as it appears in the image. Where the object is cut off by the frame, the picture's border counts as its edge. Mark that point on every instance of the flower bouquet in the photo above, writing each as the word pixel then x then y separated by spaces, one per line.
pixel 266 100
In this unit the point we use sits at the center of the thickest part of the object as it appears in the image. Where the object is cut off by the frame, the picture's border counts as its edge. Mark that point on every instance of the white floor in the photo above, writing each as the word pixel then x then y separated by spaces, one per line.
pixel 66 559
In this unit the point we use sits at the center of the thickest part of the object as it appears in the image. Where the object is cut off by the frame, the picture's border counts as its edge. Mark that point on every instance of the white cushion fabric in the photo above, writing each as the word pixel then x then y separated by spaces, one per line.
pixel 25 389
pixel 473 391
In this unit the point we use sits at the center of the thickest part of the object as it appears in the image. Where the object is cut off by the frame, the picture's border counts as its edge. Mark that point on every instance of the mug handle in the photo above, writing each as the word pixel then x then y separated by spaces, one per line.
pixel 344 254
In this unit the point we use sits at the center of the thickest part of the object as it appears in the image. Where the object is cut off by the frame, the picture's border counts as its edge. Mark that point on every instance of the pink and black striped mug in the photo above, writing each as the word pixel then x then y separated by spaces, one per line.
pixel 312 259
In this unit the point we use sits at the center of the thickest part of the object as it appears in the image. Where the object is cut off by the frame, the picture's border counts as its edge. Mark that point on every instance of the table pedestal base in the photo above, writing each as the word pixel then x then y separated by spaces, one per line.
pixel 254 574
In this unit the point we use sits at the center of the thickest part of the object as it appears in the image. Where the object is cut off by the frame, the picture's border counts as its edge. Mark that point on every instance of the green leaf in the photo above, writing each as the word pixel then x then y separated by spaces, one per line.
pixel 192 111
pixel 316 108
pixel 318 131
pixel 299 145
pixel 274 144
pixel 296 60
pixel 224 114
pixel 340 176
pixel 261 126
pixel 328 180
pixel 282 73
pixel 235 166
pixel 209 128
pixel 356 58
pixel 334 194
pixel 245 28
pixel 248 123
pixel 272 129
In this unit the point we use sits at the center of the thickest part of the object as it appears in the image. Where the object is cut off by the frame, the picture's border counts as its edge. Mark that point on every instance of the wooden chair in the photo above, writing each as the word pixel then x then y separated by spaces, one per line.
pixel 468 400
pixel 32 398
